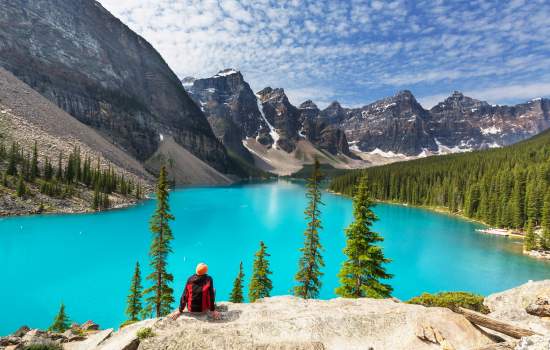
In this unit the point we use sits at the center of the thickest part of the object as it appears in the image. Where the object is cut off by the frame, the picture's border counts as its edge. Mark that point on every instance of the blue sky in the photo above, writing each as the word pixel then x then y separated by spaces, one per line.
pixel 356 51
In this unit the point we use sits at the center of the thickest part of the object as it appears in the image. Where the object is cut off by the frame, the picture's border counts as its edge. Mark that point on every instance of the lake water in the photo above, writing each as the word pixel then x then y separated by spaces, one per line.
pixel 86 261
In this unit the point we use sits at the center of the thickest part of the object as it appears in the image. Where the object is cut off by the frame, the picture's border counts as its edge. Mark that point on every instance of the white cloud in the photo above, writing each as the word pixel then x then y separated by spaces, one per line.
pixel 355 47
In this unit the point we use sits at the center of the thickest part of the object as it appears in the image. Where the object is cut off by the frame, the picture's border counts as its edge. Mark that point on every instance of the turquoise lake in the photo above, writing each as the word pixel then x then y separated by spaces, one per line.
pixel 86 261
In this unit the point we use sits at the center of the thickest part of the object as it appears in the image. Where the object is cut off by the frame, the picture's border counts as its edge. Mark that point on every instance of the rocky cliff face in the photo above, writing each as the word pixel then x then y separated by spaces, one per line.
pixel 236 114
pixel 282 115
pixel 463 122
pixel 231 108
pixel 90 64
pixel 397 124
pixel 321 131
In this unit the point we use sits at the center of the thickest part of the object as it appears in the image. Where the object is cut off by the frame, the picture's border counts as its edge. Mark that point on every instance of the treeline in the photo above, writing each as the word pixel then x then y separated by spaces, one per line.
pixel 60 177
pixel 506 187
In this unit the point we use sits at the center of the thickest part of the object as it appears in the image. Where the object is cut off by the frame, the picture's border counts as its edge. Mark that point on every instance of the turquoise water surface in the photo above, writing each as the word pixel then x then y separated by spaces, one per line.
pixel 86 261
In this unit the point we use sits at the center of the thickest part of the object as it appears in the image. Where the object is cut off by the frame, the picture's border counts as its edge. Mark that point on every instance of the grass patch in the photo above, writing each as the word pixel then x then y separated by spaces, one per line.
pixel 145 333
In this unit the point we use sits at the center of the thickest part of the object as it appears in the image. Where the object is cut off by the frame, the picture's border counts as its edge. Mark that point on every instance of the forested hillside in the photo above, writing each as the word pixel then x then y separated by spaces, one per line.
pixel 505 187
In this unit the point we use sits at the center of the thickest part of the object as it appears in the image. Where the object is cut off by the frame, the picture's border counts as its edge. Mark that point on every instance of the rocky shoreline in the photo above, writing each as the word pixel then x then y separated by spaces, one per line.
pixel 291 323
pixel 10 205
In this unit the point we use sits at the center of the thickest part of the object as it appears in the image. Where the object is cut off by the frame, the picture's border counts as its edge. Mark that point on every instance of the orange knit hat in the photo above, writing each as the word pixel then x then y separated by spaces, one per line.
pixel 202 269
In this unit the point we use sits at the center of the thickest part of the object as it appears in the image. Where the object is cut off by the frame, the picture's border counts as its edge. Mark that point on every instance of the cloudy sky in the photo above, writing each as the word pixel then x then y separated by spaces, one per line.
pixel 355 51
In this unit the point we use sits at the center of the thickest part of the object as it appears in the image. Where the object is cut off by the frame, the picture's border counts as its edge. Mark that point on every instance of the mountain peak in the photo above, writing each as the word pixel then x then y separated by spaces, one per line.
pixel 404 94
pixel 308 104
pixel 457 94
pixel 334 105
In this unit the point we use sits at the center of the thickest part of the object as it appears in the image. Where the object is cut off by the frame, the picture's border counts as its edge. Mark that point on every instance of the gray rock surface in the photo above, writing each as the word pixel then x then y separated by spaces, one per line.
pixel 291 323
pixel 535 342
pixel 511 305
pixel 91 342
pixel 94 67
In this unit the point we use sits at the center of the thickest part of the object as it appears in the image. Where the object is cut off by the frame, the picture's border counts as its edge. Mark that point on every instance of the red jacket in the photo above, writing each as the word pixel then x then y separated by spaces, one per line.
pixel 198 295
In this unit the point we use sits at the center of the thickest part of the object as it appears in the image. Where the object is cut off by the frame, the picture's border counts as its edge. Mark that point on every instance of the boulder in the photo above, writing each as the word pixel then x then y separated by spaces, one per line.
pixel 21 331
pixel 512 305
pixel 540 307
pixel 126 337
pixel 90 343
pixel 535 342
pixel 292 323
pixel 73 335
pixel 9 340
pixel 89 326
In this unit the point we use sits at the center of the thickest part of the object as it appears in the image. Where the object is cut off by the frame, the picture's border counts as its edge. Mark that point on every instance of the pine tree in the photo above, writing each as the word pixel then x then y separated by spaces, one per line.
pixel 21 188
pixel 12 161
pixel 309 266
pixel 237 291
pixel 96 204
pixel 59 170
pixel 530 239
pixel 61 321
pixel 35 172
pixel 134 307
pixel 160 293
pixel 260 284
pixel 361 273
pixel 545 223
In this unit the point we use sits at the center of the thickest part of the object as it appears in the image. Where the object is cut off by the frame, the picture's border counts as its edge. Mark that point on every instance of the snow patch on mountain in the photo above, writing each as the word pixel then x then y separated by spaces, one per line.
pixel 442 149
pixel 272 132
pixel 492 130
pixel 379 152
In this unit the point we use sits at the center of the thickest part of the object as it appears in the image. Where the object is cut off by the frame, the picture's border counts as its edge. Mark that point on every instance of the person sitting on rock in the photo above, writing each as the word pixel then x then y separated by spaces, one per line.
pixel 198 294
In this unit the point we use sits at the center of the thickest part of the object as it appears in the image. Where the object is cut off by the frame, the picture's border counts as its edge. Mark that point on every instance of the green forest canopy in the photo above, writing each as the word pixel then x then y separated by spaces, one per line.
pixel 505 187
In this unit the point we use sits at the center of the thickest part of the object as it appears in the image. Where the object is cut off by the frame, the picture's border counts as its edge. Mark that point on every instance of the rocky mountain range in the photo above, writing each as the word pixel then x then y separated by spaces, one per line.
pixel 400 125
pixel 86 61
pixel 236 113
pixel 393 126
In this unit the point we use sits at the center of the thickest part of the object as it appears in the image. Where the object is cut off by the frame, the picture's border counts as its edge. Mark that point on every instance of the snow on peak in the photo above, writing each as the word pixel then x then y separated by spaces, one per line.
pixel 225 72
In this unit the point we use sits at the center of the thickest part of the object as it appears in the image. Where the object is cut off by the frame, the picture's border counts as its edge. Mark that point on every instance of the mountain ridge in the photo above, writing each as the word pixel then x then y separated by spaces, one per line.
pixel 396 127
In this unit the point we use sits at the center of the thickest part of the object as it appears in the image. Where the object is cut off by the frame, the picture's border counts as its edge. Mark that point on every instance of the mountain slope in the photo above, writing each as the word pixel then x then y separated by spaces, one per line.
pixel 94 67
pixel 27 117
pixel 505 187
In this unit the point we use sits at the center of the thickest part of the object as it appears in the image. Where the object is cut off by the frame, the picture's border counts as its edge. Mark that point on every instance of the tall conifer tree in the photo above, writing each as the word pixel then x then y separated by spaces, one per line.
pixel 260 284
pixel 237 291
pixel 545 223
pixel 530 240
pixel 134 307
pixel 160 294
pixel 362 272
pixel 12 161
pixel 35 172
pixel 61 321
pixel 309 266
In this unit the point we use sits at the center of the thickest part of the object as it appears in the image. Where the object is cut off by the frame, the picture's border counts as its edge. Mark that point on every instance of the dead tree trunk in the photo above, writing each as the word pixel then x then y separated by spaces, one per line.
pixel 495 325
